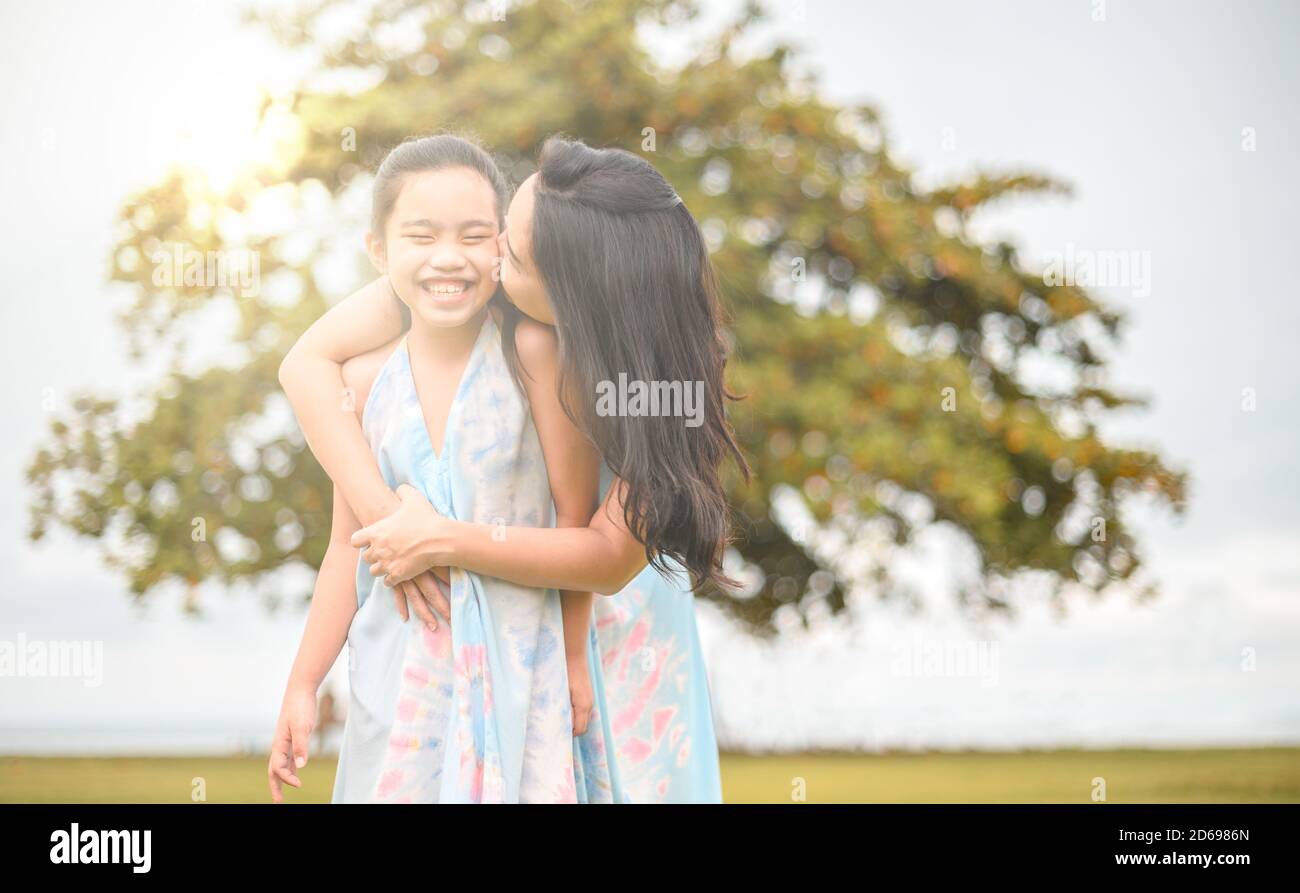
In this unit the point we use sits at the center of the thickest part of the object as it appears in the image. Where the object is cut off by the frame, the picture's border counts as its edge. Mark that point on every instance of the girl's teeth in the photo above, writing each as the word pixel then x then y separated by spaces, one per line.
pixel 446 289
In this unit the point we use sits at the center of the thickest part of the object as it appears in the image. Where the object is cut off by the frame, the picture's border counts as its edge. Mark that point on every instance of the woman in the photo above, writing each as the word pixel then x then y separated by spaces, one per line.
pixel 598 245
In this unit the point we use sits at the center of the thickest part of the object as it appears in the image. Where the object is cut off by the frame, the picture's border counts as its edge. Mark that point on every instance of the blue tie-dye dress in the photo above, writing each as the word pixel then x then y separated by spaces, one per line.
pixel 480 712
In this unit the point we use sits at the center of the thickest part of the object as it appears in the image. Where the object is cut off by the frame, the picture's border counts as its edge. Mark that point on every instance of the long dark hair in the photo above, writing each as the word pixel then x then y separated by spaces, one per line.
pixel 633 291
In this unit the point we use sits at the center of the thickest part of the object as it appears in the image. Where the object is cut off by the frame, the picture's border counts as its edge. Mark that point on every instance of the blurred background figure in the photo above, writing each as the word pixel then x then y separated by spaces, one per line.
pixel 328 720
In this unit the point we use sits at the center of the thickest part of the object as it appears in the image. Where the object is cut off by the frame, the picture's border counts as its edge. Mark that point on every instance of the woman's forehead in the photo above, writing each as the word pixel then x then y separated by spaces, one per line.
pixel 523 197
pixel 519 218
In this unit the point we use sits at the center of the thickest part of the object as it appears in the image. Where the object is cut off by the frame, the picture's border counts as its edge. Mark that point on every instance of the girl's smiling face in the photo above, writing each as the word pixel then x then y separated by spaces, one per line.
pixel 518 272
pixel 439 245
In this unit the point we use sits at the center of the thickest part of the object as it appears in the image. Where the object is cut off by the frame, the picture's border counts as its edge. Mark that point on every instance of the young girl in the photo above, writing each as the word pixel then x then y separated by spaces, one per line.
pixel 598 245
pixel 479 709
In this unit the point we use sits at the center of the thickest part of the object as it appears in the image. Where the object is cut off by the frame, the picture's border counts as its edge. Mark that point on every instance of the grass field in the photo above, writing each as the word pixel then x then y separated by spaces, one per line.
pixel 1246 775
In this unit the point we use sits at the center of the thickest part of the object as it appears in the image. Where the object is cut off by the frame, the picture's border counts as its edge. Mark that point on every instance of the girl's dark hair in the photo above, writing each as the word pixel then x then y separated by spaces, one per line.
pixel 430 153
pixel 633 291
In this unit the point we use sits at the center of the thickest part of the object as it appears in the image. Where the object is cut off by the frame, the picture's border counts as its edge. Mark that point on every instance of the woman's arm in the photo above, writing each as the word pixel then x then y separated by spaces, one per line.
pixel 602 557
pixel 339 430
pixel 327 408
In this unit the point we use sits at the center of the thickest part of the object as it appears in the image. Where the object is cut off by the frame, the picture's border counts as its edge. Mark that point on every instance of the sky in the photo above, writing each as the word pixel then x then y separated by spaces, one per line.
pixel 1147 113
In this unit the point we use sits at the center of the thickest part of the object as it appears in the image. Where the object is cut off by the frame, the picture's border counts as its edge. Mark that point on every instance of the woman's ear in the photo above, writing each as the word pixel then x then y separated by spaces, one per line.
pixel 376 251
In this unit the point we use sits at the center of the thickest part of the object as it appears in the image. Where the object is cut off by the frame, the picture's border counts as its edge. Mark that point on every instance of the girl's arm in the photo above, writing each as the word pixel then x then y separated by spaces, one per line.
pixel 333 602
pixel 333 605
pixel 573 469
pixel 327 410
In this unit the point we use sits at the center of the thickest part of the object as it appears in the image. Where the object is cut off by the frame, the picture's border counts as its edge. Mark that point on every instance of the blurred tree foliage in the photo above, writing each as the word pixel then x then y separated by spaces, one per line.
pixel 878 341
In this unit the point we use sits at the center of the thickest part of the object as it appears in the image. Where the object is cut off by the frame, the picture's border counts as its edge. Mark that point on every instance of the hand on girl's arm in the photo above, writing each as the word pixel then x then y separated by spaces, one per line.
pixel 327 376
pixel 602 557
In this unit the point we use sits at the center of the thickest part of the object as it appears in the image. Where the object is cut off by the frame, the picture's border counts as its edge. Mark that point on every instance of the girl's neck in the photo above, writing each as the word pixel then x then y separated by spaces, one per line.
pixel 446 343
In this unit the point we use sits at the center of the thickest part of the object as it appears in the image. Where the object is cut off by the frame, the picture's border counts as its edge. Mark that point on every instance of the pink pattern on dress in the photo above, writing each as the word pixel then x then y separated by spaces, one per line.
pixel 636 707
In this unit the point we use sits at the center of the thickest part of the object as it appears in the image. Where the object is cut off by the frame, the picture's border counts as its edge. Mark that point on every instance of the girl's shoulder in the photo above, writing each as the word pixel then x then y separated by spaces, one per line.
pixel 360 372
pixel 537 343
pixel 532 339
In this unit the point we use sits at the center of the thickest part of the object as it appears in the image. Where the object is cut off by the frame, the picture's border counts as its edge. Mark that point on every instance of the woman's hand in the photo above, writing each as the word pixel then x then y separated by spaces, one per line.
pixel 292 737
pixel 395 547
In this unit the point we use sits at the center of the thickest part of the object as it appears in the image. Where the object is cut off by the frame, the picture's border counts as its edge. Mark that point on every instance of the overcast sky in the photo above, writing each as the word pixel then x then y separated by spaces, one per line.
pixel 1143 113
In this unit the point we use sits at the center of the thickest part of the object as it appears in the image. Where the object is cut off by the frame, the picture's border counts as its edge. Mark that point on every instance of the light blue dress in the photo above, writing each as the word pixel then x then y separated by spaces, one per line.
pixel 656 698
pixel 480 712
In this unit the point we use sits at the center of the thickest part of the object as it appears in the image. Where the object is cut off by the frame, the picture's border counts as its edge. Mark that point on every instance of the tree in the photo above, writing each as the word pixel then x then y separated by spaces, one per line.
pixel 878 341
